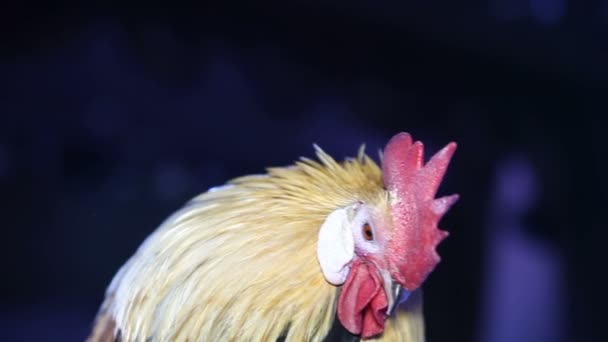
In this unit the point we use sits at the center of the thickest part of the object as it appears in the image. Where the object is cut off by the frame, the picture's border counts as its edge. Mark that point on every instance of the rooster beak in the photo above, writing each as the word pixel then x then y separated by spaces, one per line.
pixel 395 293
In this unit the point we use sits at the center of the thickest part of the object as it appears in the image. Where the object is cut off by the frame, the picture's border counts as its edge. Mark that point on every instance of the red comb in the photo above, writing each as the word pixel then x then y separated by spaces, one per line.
pixel 416 212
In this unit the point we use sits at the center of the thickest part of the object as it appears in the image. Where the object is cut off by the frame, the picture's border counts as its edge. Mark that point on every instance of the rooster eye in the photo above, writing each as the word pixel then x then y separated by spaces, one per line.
pixel 368 234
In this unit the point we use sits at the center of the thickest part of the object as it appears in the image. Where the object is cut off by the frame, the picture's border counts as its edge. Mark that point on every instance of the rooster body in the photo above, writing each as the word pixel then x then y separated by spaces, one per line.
pixel 241 263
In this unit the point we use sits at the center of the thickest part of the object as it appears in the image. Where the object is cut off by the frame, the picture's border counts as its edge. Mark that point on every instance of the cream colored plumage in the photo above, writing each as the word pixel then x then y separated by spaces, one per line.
pixel 239 263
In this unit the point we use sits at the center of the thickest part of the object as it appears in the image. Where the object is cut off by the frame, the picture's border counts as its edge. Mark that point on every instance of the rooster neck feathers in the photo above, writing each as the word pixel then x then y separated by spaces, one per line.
pixel 239 263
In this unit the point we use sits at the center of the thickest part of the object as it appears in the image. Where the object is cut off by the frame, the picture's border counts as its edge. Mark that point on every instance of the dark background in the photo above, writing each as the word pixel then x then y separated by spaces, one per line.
pixel 114 115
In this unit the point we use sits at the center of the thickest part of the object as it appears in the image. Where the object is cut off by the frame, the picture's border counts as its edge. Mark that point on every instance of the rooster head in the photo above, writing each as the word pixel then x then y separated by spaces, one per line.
pixel 381 250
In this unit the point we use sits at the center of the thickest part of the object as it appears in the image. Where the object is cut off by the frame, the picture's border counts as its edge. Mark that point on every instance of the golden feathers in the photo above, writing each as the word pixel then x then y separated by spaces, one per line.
pixel 240 263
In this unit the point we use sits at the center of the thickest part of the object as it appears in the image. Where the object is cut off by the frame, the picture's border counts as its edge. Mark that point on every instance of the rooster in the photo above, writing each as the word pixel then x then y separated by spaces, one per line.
pixel 320 250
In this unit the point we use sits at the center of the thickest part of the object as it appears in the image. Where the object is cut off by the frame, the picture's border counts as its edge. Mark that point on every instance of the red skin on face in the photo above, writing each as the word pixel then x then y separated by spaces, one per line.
pixel 362 304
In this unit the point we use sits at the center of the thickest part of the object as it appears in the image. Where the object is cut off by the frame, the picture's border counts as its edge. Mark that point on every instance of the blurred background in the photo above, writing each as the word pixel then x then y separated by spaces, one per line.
pixel 112 116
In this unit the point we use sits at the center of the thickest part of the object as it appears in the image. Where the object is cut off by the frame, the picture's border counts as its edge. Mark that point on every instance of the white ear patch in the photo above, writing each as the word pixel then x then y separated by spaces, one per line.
pixel 336 246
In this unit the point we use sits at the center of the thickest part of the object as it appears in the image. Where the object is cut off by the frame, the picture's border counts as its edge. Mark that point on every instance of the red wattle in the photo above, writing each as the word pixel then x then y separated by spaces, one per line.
pixel 362 304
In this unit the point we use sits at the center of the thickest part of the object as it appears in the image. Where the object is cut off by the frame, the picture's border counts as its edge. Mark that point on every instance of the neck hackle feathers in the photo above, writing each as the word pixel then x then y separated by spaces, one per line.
pixel 238 263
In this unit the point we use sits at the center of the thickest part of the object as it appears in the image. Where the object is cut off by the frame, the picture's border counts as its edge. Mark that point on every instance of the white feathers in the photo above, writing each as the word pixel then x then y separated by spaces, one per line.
pixel 336 246
pixel 221 187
